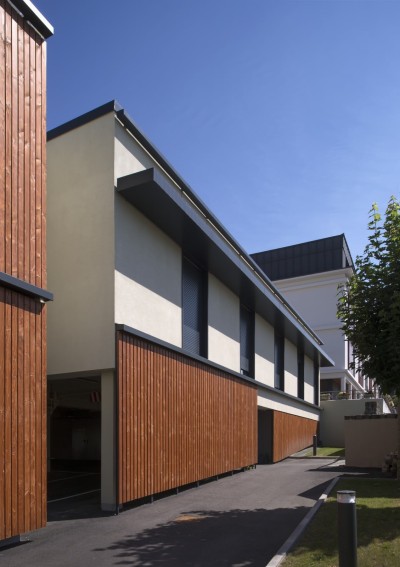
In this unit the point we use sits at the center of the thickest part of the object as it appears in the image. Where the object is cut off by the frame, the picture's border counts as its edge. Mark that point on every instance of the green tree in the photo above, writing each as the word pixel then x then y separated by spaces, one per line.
pixel 369 305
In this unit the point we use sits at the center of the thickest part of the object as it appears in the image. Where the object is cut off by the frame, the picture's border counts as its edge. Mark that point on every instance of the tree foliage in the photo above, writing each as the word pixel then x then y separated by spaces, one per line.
pixel 369 305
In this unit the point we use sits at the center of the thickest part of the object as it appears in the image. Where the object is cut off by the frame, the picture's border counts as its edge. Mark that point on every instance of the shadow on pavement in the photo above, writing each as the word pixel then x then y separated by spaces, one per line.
pixel 315 492
pixel 344 470
pixel 238 538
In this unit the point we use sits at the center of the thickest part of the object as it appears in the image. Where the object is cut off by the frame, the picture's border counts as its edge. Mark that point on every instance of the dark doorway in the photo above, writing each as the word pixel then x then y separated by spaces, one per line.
pixel 74 440
pixel 265 436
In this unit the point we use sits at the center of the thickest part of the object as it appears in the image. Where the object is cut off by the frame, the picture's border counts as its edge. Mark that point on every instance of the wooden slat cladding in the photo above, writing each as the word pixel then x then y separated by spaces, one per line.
pixel 22 148
pixel 291 433
pixel 180 420
pixel 22 414
pixel 22 255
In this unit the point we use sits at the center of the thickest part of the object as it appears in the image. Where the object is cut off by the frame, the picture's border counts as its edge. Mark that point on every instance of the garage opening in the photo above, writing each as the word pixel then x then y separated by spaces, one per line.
pixel 265 436
pixel 73 441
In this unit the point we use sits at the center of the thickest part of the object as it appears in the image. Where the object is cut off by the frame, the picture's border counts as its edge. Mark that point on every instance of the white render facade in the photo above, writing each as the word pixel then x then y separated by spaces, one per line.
pixel 115 258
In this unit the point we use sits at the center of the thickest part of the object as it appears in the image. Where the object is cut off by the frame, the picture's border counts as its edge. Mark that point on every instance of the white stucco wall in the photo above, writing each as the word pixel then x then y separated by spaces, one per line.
pixel 148 276
pixel 80 248
pixel 130 157
pixel 334 344
pixel 275 401
pixel 264 351
pixel 290 368
pixel 332 432
pixel 223 325
pixel 314 297
pixel 308 380
pixel 148 264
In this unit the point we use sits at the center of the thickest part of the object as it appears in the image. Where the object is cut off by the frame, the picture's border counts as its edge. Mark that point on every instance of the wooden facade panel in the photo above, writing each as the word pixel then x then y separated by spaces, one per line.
pixel 179 420
pixel 291 433
pixel 22 255
pixel 23 149
pixel 22 415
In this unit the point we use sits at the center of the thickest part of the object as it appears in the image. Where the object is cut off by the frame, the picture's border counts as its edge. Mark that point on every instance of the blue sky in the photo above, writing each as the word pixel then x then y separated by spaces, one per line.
pixel 282 115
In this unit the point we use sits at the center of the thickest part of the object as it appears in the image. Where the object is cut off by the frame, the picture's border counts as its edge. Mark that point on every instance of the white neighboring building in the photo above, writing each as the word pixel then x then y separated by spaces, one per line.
pixel 308 275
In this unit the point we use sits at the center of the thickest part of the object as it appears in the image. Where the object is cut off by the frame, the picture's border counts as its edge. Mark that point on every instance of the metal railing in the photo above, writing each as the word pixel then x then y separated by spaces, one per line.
pixel 335 395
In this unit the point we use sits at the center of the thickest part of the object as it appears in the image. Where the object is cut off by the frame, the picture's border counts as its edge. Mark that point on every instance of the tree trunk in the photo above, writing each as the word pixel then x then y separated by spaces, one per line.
pixel 398 438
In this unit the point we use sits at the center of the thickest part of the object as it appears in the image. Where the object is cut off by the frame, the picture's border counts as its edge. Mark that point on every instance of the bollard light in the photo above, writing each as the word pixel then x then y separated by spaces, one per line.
pixel 314 446
pixel 346 497
pixel 347 528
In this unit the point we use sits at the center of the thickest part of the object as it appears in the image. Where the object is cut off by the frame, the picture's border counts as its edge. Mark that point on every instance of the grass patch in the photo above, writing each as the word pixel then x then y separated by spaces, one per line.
pixel 326 452
pixel 378 523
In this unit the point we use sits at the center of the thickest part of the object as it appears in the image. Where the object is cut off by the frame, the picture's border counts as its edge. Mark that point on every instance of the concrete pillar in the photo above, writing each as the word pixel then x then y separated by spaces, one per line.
pixel 108 442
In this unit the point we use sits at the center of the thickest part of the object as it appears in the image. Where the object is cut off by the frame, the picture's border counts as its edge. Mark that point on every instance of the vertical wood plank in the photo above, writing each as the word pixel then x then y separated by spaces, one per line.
pixel 20 154
pixel 2 141
pixel 8 140
pixel 32 158
pixel 32 413
pixel 121 420
pixel 8 414
pixel 14 147
pixel 26 156
pixel 27 425
pixel 43 339
pixel 43 129
pixel 38 164
pixel 20 416
pixel 14 413
pixel 38 414
pixel 2 413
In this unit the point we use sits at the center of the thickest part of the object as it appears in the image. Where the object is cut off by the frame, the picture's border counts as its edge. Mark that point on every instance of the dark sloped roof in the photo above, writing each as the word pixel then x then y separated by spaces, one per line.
pixel 323 255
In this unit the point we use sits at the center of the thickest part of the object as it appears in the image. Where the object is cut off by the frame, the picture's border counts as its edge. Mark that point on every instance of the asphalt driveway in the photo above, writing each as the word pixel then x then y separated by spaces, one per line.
pixel 237 521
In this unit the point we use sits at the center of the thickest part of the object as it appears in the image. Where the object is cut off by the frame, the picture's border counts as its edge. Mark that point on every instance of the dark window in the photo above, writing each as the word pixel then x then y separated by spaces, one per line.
pixel 246 341
pixel 300 373
pixel 316 384
pixel 194 309
pixel 279 381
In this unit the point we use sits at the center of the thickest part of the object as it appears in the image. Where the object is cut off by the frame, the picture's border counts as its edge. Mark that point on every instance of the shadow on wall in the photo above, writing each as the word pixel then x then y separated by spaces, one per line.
pixel 198 538
pixel 145 255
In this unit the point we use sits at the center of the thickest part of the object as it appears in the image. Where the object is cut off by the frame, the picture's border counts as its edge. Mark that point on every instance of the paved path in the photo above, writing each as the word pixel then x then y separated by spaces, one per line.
pixel 237 521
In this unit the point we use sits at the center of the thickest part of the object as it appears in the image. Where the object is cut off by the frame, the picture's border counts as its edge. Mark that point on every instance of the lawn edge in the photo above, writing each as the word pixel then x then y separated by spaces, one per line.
pixel 282 552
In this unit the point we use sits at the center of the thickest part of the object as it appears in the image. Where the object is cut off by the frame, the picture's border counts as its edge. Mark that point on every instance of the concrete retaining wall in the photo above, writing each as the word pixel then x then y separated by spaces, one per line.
pixel 369 438
pixel 332 418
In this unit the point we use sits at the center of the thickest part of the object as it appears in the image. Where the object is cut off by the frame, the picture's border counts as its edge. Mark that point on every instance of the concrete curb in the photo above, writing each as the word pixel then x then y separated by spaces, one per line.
pixel 294 536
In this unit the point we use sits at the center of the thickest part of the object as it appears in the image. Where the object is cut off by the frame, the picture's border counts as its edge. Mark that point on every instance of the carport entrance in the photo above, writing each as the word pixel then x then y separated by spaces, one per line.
pixel 74 438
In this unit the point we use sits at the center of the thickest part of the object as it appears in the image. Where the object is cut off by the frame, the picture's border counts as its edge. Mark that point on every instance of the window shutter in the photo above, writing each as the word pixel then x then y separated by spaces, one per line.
pixel 246 341
pixel 194 309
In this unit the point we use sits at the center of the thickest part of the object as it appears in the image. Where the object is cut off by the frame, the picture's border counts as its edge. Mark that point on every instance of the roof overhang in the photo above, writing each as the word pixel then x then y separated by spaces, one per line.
pixel 33 16
pixel 174 212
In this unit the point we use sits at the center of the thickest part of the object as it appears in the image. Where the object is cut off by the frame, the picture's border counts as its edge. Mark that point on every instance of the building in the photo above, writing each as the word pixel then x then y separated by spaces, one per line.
pixel 23 293
pixel 172 358
pixel 308 275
